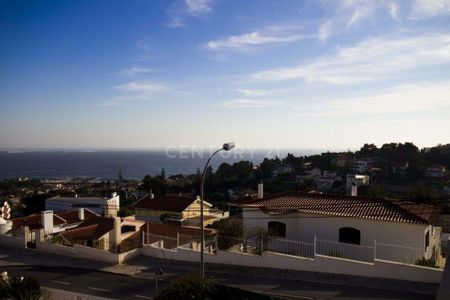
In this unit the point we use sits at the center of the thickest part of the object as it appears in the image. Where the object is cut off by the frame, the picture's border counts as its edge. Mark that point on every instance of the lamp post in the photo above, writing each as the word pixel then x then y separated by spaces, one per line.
pixel 226 147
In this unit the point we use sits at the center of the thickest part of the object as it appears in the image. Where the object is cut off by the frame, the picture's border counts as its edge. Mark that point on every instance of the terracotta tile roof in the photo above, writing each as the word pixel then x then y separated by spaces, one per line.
pixel 164 203
pixel 345 206
pixel 169 230
pixel 34 221
pixel 91 229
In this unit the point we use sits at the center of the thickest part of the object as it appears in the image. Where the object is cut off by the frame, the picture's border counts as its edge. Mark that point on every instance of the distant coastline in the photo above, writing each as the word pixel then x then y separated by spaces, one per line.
pixel 105 164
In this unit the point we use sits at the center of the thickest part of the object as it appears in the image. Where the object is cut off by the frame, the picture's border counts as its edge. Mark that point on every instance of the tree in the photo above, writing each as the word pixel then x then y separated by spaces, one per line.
pixel 19 288
pixel 163 174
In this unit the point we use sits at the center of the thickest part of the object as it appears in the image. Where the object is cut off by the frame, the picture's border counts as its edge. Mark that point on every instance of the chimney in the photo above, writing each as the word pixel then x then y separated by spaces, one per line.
pixel 81 213
pixel 152 196
pixel 354 191
pixel 260 190
pixel 47 221
pixel 117 231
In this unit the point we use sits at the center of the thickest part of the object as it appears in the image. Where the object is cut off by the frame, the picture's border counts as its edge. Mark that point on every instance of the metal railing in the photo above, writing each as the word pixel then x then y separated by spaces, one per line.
pixel 345 250
pixel 397 253
pixel 296 248
pixel 256 245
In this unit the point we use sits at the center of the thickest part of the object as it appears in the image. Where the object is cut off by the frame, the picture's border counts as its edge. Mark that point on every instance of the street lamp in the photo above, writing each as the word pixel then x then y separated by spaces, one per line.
pixel 226 147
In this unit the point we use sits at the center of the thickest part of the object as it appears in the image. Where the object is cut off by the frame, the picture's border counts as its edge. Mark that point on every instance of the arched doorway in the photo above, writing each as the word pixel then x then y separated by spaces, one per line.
pixel 276 229
pixel 349 235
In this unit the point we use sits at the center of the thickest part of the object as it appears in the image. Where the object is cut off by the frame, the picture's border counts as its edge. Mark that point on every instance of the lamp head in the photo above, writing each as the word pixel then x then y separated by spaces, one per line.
pixel 228 146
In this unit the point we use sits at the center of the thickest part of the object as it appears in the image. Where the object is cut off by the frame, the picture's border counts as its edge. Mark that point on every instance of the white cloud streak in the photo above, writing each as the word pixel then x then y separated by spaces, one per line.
pixel 252 39
pixel 424 9
pixel 131 72
pixel 251 103
pixel 142 87
pixel 253 92
pixel 188 8
pixel 369 60
pixel 399 100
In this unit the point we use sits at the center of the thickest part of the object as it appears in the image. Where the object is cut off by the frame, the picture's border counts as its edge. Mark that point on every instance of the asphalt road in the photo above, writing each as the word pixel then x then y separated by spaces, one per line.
pixel 117 286
pixel 83 276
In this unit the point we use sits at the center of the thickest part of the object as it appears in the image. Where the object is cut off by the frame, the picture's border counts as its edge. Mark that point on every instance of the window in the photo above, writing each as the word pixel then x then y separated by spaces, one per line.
pixel 427 239
pixel 277 229
pixel 127 228
pixel 349 235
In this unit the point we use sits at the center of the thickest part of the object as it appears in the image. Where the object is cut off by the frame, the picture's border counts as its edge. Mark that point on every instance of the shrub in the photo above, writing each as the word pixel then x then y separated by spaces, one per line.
pixel 426 262
pixel 335 253
pixel 195 287
pixel 19 288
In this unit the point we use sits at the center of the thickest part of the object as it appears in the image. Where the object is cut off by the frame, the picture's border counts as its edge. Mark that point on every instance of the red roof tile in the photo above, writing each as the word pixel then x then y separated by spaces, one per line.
pixel 164 203
pixel 345 206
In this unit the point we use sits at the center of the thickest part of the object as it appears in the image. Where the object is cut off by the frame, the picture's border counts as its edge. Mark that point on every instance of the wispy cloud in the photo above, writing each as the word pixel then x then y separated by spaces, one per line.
pixel 134 91
pixel 142 86
pixel 253 92
pixel 181 10
pixel 252 39
pixel 251 103
pixel 369 60
pixel 424 9
pixel 398 100
pixel 344 15
pixel 131 72
pixel 271 34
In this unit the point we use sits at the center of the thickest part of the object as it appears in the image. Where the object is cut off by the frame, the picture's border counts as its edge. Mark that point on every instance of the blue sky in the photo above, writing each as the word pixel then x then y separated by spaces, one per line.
pixel 296 74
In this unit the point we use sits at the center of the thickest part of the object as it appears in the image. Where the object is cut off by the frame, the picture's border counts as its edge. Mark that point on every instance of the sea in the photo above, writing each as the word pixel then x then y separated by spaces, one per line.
pixel 133 164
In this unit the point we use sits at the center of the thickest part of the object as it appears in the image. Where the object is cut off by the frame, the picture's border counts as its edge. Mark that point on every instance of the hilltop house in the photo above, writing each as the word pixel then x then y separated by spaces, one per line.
pixel 343 219
pixel 103 206
pixel 108 234
pixel 53 222
pixel 179 210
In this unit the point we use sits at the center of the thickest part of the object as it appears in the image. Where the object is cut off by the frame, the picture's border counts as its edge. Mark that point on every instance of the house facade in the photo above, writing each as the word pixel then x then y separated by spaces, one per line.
pixel 436 171
pixel 103 206
pixel 179 210
pixel 341 219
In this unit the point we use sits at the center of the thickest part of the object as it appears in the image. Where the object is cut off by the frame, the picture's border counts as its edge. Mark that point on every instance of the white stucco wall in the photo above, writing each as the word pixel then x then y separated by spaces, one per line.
pixel 305 227
pixel 318 264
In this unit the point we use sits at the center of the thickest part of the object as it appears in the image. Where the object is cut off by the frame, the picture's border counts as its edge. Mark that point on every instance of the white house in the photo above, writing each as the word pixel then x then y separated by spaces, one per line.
pixel 436 171
pixel 349 220
pixel 103 206
pixel 177 209
pixel 361 166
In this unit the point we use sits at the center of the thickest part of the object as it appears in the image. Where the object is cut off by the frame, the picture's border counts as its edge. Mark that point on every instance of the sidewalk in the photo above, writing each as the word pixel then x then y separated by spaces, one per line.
pixel 145 267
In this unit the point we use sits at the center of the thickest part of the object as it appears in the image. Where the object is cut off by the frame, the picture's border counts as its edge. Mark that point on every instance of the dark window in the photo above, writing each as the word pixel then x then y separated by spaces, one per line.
pixel 90 243
pixel 127 228
pixel 277 229
pixel 349 235
pixel 427 239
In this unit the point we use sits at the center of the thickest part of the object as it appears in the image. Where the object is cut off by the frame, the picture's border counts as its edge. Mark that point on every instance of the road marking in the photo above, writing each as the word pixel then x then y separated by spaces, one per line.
pixel 61 282
pixel 142 297
pixel 97 289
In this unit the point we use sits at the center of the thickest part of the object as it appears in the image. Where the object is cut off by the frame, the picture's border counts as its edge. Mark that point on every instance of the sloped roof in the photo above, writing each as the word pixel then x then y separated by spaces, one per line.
pixel 164 203
pixel 34 221
pixel 91 229
pixel 169 230
pixel 345 206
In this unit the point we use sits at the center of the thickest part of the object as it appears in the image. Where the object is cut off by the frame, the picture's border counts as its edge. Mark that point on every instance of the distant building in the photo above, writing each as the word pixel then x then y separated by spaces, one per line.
pixel 344 160
pixel 436 171
pixel 179 210
pixel 361 166
pixel 103 206
pixel 354 181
